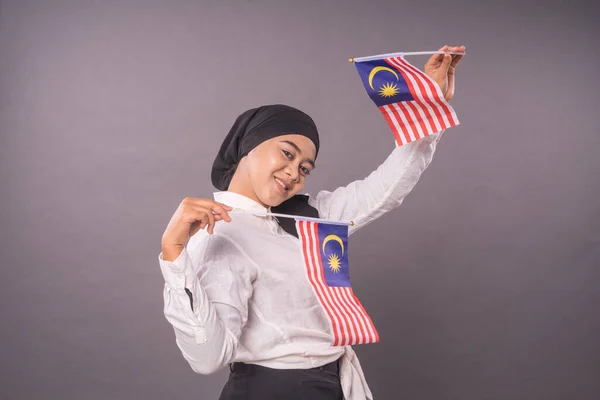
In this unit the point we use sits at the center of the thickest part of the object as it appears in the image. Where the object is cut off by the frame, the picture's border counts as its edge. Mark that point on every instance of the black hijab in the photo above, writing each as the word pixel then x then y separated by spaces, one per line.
pixel 251 129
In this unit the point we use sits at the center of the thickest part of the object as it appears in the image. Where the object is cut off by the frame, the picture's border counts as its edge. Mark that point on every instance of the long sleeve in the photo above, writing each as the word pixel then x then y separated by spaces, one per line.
pixel 207 331
pixel 383 190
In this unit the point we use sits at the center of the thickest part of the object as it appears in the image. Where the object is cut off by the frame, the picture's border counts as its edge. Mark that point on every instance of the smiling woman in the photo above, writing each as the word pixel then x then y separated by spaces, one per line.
pixel 237 293
pixel 275 170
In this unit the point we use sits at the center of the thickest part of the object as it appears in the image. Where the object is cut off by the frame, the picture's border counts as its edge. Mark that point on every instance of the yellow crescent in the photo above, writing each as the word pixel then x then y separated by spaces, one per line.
pixel 376 70
pixel 336 238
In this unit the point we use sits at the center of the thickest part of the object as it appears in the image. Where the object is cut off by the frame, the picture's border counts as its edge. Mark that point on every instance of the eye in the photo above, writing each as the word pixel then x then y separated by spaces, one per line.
pixel 305 171
pixel 288 154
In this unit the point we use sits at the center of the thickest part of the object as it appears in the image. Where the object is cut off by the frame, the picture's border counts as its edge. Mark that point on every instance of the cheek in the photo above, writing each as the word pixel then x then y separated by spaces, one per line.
pixel 263 166
pixel 272 162
pixel 299 186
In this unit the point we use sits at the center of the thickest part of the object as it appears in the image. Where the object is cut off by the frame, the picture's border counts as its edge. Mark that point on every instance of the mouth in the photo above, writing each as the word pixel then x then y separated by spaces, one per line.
pixel 281 185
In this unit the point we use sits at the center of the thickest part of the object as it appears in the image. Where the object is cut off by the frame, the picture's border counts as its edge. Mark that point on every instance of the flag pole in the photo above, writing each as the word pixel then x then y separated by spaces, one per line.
pixel 401 54
pixel 267 214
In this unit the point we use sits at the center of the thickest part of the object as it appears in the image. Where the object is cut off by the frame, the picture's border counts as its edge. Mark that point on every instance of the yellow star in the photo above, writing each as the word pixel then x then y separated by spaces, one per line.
pixel 388 90
pixel 335 263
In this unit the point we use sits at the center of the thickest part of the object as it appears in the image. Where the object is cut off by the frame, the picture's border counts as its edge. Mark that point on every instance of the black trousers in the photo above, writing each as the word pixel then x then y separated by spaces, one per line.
pixel 253 382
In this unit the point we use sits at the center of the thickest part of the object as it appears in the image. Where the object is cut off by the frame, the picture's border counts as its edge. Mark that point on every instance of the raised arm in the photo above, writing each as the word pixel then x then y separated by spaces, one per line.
pixel 384 189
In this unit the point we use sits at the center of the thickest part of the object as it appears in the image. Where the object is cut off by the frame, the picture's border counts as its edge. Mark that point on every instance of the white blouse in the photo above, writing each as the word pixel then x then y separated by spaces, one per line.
pixel 251 300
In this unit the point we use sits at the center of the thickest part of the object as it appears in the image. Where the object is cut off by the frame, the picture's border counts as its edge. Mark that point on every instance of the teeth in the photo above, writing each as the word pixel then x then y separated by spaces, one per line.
pixel 281 184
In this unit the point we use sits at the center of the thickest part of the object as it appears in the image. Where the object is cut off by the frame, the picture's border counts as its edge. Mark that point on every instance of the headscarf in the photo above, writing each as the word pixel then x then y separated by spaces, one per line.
pixel 251 129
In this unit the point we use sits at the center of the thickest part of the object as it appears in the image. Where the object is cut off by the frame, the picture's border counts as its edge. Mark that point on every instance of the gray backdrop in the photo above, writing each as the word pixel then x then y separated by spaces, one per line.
pixel 483 285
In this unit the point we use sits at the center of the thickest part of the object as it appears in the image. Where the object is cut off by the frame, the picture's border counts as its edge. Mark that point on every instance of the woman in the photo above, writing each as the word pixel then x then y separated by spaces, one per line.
pixel 236 292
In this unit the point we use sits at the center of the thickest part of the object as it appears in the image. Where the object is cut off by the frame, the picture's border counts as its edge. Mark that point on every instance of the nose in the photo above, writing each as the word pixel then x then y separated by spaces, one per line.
pixel 292 172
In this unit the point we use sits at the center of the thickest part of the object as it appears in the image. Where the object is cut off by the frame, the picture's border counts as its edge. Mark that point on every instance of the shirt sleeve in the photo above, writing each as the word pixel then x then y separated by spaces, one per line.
pixel 363 201
pixel 207 331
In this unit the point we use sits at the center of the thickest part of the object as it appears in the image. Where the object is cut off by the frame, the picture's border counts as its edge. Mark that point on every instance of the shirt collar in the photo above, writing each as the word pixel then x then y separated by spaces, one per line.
pixel 239 201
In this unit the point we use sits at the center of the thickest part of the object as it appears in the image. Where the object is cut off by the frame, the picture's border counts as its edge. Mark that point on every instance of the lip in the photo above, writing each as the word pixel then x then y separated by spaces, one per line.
pixel 279 188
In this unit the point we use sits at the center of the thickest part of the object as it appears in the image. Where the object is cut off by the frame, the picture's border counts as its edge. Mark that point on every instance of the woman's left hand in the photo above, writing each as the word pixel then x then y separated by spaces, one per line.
pixel 441 67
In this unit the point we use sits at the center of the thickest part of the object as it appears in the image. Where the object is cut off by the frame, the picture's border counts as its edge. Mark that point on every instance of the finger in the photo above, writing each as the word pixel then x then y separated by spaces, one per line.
pixel 434 60
pixel 203 224
pixel 196 227
pixel 225 206
pixel 455 61
pixel 457 58
pixel 215 208
pixel 219 209
pixel 211 221
pixel 205 216
pixel 446 62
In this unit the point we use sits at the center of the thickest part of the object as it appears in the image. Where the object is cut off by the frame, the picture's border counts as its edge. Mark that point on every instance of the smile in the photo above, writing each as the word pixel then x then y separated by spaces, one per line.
pixel 281 184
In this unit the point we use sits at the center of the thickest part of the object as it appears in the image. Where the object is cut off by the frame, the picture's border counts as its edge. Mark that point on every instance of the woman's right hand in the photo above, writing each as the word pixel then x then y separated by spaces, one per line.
pixel 192 215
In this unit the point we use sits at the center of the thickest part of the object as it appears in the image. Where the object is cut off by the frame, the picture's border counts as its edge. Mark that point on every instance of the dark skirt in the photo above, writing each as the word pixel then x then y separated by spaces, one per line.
pixel 253 382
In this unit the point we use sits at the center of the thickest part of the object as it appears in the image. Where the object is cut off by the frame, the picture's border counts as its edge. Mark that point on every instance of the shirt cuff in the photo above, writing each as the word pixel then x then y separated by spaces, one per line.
pixel 178 274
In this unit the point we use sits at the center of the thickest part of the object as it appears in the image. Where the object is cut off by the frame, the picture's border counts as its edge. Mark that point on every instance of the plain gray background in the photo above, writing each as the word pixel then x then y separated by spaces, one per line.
pixel 483 284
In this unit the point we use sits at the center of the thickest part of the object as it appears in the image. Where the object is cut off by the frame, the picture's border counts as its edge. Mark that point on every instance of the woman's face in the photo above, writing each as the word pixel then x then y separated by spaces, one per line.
pixel 277 169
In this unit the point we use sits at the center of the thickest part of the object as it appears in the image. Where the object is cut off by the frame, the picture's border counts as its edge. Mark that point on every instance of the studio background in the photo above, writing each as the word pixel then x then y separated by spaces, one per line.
pixel 483 284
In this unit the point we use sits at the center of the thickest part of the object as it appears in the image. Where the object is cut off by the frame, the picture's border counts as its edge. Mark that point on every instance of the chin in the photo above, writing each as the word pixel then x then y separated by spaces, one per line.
pixel 274 200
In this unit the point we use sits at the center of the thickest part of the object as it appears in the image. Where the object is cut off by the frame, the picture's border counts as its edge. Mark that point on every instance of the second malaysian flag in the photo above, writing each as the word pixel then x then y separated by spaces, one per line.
pixel 325 251
pixel 411 102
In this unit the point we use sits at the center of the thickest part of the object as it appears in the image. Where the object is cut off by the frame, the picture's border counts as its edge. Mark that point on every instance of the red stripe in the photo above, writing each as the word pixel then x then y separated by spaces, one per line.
pixel 334 325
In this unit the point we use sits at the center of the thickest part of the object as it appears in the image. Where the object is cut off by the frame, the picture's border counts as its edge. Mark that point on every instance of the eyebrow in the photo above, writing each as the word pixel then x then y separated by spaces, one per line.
pixel 308 160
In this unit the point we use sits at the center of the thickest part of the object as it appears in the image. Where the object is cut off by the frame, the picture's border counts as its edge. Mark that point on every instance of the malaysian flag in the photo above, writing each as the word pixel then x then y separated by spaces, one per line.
pixel 325 250
pixel 411 102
